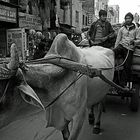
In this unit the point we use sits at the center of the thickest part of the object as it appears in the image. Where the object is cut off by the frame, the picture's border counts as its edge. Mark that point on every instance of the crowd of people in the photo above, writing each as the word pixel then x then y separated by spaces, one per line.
pixel 38 44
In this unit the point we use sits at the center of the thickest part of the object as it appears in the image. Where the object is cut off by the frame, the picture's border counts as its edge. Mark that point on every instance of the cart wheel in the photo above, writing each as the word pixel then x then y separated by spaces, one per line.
pixel 135 98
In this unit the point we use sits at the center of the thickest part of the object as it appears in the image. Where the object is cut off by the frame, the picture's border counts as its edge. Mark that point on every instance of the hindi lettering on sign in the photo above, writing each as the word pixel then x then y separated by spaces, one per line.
pixel 8 14
pixel 28 21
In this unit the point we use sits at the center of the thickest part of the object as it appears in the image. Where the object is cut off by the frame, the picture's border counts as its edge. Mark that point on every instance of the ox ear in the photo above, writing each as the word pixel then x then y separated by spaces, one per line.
pixel 29 95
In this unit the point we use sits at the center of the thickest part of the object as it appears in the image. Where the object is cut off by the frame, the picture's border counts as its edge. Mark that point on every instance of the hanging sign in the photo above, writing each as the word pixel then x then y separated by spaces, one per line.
pixel 28 21
pixel 8 14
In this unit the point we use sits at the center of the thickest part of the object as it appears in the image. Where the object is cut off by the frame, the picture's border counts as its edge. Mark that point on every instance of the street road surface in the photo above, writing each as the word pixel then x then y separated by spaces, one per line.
pixel 118 123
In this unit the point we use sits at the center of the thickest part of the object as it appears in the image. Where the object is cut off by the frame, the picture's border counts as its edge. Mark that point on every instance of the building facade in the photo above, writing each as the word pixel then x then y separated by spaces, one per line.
pixel 113 14
pixel 77 15
pixel 85 18
pixel 70 15
pixel 100 4
pixel 88 11
pixel 8 20
pixel 48 16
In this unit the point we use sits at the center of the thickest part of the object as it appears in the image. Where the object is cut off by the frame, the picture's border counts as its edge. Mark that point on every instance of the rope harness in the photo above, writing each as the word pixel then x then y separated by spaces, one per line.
pixel 81 68
pixel 61 61
pixel 2 99
pixel 57 97
pixel 5 74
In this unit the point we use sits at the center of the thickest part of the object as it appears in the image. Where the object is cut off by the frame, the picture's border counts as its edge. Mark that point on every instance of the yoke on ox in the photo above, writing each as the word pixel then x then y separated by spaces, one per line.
pixel 49 81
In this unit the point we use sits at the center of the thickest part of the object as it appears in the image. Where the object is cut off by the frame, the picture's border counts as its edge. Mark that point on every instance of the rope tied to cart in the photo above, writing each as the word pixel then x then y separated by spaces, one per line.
pixel 77 67
pixel 74 66
pixel 71 65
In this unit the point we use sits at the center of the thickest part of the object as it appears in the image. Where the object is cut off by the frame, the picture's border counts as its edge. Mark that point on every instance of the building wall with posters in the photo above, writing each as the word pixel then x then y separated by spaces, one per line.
pixel 15 24
pixel 29 15
pixel 29 21
pixel 8 20
pixel 30 24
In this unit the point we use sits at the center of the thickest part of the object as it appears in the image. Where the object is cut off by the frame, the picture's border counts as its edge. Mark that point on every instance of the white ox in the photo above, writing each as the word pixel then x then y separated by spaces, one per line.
pixel 49 80
pixel 98 57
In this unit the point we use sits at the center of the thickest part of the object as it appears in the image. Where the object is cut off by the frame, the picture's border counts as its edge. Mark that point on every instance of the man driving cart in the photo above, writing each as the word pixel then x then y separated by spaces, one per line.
pixel 127 39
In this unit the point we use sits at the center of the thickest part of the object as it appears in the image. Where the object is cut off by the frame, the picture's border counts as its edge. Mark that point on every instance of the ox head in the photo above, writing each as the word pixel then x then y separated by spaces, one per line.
pixel 11 80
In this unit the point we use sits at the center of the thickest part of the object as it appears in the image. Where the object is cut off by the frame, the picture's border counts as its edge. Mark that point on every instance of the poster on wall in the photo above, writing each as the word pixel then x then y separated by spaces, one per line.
pixel 17 36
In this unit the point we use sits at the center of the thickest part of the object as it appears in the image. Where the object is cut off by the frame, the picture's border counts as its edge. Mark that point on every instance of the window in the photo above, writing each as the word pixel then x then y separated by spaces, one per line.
pixel 83 19
pixel 77 17
pixel 86 20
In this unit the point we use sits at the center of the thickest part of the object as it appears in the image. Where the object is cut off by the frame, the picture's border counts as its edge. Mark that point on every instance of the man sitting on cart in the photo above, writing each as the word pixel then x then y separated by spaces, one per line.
pixel 101 32
pixel 127 39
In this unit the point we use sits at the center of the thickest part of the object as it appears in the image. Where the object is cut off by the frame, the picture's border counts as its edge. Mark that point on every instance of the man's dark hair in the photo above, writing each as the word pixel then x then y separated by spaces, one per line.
pixel 102 12
pixel 130 15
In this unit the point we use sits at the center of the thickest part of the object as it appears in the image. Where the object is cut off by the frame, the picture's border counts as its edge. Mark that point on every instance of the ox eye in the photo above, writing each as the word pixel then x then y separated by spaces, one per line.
pixel 28 98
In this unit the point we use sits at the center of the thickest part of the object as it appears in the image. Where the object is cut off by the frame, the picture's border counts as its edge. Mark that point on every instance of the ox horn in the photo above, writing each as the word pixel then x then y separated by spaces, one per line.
pixel 14 62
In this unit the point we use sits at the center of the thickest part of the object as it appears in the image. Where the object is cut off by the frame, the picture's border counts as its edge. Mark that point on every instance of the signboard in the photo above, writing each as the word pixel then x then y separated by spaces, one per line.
pixel 6 0
pixel 17 36
pixel 8 14
pixel 28 21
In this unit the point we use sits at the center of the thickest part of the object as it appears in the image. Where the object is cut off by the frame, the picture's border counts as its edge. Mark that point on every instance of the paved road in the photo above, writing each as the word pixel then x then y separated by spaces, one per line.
pixel 118 123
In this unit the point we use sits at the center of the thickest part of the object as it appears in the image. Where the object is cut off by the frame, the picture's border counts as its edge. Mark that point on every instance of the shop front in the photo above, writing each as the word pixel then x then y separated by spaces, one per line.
pixel 32 26
pixel 8 20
